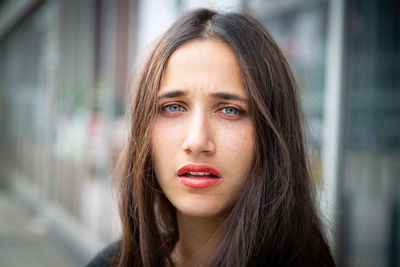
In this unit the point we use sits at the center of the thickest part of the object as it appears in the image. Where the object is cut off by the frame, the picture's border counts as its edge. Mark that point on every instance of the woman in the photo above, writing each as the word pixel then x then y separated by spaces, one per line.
pixel 215 170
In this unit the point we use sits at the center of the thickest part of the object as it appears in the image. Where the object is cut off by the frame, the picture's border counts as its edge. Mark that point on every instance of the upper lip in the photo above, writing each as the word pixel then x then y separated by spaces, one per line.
pixel 199 168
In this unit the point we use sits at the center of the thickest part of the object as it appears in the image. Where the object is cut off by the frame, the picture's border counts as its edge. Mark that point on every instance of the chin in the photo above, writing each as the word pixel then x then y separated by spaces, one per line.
pixel 197 208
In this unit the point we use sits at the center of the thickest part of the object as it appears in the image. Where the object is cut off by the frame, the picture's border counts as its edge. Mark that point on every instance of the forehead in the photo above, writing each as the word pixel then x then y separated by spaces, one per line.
pixel 214 52
pixel 206 64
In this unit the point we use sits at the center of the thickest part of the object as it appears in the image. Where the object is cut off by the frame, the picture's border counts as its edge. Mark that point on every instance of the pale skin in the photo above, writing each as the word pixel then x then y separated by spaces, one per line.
pixel 203 119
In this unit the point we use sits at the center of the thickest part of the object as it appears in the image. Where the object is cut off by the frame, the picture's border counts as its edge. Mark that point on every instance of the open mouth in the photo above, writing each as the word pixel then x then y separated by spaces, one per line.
pixel 201 170
pixel 198 176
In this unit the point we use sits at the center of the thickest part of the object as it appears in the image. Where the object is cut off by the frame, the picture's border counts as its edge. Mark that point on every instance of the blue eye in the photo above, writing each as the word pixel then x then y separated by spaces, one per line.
pixel 173 108
pixel 230 111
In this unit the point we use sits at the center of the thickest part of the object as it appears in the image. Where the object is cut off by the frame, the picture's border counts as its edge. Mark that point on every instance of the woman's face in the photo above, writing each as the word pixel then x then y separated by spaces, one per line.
pixel 203 139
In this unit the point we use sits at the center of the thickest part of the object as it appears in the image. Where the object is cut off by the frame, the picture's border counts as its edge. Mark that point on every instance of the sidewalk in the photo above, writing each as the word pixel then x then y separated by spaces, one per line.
pixel 24 240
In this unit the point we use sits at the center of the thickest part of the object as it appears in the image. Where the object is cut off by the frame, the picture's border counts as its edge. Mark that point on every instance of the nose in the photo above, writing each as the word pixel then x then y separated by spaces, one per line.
pixel 198 139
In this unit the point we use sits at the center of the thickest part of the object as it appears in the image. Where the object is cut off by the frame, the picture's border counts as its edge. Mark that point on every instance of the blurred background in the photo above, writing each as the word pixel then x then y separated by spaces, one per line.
pixel 64 72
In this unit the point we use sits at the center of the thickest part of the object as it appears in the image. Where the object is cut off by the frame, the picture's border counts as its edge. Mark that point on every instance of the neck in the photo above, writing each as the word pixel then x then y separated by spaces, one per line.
pixel 198 239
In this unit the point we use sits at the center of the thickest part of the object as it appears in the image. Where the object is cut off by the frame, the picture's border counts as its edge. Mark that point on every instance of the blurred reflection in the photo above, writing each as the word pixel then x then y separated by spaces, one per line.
pixel 371 184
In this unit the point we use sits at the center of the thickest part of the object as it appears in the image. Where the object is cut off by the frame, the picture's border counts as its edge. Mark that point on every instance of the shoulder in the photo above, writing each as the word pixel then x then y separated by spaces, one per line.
pixel 104 257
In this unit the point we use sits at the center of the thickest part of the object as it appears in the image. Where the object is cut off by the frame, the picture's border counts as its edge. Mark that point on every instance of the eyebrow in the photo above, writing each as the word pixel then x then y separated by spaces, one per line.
pixel 229 96
pixel 221 95
pixel 173 94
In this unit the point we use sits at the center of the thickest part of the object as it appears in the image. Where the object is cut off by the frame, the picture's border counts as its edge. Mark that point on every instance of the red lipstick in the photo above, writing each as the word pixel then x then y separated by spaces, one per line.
pixel 198 176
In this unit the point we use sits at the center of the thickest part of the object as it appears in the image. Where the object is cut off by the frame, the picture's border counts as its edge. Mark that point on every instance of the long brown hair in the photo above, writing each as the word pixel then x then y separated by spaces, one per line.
pixel 274 222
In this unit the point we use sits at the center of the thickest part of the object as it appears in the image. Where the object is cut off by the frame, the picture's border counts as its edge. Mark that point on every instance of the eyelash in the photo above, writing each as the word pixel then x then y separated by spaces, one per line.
pixel 238 112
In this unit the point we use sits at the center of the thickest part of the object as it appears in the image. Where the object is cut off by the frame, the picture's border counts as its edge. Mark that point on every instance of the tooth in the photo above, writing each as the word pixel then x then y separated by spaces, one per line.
pixel 200 173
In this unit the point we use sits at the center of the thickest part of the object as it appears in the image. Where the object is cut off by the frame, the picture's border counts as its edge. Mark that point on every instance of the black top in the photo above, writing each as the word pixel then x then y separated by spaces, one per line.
pixel 104 257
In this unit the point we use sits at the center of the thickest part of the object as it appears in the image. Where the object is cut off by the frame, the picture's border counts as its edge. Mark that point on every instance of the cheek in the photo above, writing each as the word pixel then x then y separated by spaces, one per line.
pixel 165 140
pixel 238 142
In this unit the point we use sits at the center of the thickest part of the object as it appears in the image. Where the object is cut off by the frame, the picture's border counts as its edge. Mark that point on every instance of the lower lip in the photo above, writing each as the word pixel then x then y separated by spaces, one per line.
pixel 196 182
